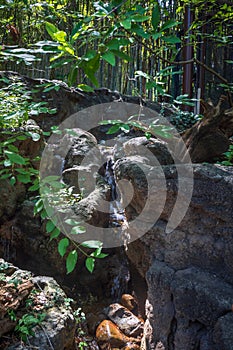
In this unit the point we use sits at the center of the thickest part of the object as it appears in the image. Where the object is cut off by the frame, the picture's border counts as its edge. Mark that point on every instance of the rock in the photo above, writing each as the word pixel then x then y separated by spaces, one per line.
pixel 159 150
pixel 130 303
pixel 223 332
pixel 108 333
pixel 131 346
pixel 127 322
pixel 11 196
pixel 184 267
pixel 57 330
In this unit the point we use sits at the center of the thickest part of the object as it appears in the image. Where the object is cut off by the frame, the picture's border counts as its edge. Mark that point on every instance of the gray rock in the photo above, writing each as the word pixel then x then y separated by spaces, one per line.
pixel 128 323
pixel 189 271
pixel 57 330
pixel 159 150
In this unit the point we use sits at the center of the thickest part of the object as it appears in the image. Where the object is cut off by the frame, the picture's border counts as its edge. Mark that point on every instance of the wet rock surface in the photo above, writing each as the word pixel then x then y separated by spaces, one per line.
pixel 122 329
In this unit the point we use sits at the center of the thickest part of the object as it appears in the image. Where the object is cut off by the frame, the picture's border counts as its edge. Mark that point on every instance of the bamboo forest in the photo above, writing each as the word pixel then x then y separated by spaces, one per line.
pixel 116 175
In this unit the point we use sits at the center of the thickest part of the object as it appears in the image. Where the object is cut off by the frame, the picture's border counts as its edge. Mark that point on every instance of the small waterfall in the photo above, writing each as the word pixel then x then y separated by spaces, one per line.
pixel 117 213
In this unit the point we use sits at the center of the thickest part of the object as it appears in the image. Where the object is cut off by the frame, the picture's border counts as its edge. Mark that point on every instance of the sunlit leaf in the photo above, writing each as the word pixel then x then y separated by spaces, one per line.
pixel 15 158
pixel 85 88
pixel 92 244
pixel 109 57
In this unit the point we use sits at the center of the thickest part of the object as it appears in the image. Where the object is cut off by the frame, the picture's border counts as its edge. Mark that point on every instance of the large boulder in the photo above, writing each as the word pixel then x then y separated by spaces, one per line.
pixel 42 296
pixel 189 270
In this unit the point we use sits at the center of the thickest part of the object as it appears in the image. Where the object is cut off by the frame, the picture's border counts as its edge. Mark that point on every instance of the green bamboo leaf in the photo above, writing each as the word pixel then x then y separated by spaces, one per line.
pixel 171 39
pixel 85 88
pixel 62 246
pixel 71 261
pixel 155 16
pixel 140 18
pixel 90 264
pixel 169 24
pixel 139 73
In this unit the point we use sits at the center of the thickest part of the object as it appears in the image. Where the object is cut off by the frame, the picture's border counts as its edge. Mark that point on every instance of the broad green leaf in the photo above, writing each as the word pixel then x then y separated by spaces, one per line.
pixel 76 230
pixel 114 128
pixel 71 261
pixel 171 39
pixel 169 24
pixel 156 35
pixel 90 67
pixel 139 73
pixel 54 234
pixel 39 205
pixel 92 244
pixel 12 180
pixel 85 88
pixel 34 135
pixel 109 57
pixel 139 30
pixel 62 246
pixel 140 18
pixel 89 55
pixel 125 128
pixel 15 158
pixel 72 76
pixel 155 16
pixel 90 264
pixel 50 178
pixel 126 23
pixel 7 162
pixel 72 222
pixel 34 187
pixel 51 29
pixel 122 55
pixel 13 148
pixel 50 226
pixel 60 36
pixel 67 49
pixel 24 178
pixel 113 44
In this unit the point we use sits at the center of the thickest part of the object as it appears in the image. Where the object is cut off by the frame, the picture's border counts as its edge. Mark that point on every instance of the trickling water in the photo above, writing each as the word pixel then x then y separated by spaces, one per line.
pixel 117 214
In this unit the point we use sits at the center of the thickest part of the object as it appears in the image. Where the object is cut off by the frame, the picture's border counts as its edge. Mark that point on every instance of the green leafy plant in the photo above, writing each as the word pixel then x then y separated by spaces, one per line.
pixel 57 195
pixel 228 157
pixel 163 131
pixel 26 324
